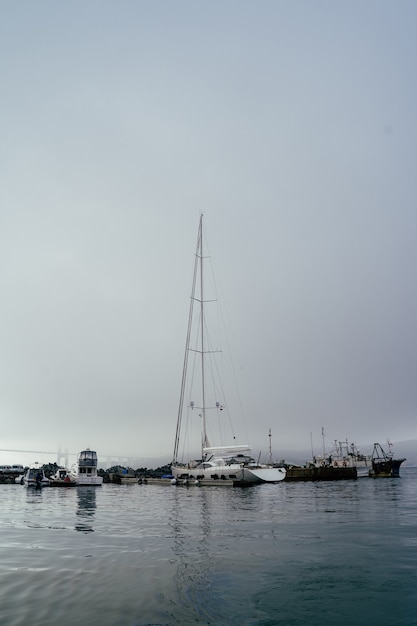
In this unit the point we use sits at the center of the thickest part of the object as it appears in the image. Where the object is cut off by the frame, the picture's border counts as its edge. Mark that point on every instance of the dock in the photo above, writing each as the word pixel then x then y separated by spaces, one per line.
pixel 320 473
pixel 210 482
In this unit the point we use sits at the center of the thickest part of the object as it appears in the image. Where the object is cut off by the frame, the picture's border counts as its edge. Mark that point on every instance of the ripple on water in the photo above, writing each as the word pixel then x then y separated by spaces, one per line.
pixel 276 554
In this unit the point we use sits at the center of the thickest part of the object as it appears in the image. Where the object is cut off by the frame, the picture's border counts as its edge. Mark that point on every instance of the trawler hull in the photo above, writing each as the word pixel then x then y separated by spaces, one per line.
pixel 386 469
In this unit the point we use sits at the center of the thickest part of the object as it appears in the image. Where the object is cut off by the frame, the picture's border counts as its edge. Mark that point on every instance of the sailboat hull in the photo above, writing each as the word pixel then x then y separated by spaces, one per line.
pixel 268 474
pixel 227 475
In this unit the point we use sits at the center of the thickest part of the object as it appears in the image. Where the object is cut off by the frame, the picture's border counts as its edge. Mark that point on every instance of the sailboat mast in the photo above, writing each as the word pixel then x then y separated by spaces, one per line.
pixel 203 388
pixel 187 352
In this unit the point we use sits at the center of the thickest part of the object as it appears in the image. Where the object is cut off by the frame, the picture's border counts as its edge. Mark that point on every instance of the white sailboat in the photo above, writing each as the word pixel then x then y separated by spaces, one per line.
pixel 221 464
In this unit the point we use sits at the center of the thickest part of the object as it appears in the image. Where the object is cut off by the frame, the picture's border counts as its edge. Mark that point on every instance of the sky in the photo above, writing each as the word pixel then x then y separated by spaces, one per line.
pixel 292 126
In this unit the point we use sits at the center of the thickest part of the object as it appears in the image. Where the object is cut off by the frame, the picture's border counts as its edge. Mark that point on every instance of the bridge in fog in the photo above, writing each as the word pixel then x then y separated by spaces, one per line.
pixel 66 459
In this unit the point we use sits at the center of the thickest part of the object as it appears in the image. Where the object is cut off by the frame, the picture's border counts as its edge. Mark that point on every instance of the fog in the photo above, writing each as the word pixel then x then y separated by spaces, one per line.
pixel 292 127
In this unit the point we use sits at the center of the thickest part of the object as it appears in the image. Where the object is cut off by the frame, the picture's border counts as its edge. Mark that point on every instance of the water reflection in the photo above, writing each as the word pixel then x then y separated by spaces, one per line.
pixel 190 521
pixel 204 523
pixel 86 509
pixel 33 495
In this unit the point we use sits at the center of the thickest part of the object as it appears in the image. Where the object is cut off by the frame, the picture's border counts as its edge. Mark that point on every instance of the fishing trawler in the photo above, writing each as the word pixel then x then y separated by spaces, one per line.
pixel 383 463
pixel 344 455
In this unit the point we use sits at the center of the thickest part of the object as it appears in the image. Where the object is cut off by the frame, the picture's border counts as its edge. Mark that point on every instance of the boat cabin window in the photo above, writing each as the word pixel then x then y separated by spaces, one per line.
pixel 240 458
pixel 89 461
pixel 34 473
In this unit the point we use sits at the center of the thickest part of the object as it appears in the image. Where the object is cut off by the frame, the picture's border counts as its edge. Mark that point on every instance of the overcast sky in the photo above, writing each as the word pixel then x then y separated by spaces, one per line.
pixel 292 126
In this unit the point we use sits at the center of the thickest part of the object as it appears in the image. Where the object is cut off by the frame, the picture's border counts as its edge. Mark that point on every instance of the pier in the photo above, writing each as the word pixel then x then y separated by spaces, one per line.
pixel 320 473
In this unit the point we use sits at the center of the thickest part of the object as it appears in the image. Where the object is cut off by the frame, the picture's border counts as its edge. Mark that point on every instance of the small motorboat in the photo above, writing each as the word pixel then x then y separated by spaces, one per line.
pixel 62 478
pixel 35 477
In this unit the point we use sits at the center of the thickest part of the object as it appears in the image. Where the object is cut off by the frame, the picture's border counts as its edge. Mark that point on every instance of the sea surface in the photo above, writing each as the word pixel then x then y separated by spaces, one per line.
pixel 290 554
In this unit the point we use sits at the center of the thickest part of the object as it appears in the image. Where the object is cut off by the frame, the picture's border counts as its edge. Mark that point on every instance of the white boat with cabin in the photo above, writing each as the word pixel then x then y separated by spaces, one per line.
pixel 62 478
pixel 35 478
pixel 85 470
pixel 223 464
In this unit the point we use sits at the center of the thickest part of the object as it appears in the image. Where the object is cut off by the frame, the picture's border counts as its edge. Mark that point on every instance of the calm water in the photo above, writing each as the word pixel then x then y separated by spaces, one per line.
pixel 303 554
